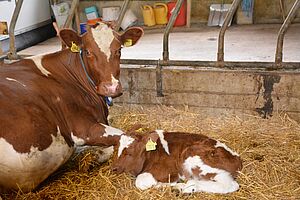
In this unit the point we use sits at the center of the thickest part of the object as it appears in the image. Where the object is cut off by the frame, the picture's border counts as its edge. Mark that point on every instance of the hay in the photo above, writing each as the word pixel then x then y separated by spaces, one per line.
pixel 270 150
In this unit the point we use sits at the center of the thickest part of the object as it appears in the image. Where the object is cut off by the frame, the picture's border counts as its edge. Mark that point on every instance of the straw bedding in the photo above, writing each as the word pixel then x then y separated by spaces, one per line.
pixel 270 149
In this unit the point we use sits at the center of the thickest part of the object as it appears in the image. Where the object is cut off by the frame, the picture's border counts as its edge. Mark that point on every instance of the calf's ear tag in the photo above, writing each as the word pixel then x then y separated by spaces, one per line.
pixel 75 48
pixel 150 146
pixel 128 43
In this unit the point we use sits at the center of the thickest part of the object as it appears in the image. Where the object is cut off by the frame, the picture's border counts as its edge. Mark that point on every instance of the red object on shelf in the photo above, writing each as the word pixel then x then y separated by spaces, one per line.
pixel 181 18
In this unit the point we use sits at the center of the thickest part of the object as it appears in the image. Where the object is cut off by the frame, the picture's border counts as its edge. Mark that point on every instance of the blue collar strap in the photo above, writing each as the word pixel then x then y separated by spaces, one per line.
pixel 108 100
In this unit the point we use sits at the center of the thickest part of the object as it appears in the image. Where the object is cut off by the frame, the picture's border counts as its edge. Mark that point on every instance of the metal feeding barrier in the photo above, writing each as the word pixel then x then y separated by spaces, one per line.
pixel 220 63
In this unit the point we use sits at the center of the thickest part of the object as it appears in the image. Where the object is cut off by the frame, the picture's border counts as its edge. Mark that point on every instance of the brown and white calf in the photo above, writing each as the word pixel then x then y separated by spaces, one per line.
pixel 202 163
pixel 51 104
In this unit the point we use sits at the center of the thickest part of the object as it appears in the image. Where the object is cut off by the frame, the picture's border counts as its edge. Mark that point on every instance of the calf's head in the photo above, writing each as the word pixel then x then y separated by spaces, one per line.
pixel 101 50
pixel 132 153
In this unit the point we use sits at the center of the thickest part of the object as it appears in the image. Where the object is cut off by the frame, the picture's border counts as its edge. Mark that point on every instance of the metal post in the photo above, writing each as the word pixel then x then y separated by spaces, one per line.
pixel 12 55
pixel 121 15
pixel 282 31
pixel 74 6
pixel 159 86
pixel 168 28
pixel 228 18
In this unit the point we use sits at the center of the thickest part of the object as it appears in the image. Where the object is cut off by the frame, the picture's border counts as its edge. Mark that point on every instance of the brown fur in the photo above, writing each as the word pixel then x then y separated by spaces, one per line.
pixel 31 113
pixel 166 168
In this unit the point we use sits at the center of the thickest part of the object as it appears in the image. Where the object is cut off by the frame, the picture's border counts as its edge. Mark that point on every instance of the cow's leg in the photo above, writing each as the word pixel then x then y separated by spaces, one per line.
pixel 222 183
pixel 145 181
pixel 102 154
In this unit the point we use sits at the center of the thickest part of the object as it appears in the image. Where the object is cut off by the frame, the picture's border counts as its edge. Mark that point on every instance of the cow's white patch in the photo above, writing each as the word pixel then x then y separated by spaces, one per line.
pixel 27 170
pixel 221 183
pixel 164 143
pixel 11 79
pixel 196 162
pixel 220 144
pixel 103 36
pixel 38 62
pixel 111 131
pixel 145 181
pixel 114 80
pixel 125 141
pixel 77 141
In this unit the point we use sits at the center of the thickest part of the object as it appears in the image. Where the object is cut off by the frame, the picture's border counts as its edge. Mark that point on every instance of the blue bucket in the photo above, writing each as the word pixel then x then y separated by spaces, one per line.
pixel 82 28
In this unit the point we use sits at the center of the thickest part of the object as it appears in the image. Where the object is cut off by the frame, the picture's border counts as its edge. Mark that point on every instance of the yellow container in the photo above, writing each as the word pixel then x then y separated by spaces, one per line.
pixel 148 15
pixel 161 12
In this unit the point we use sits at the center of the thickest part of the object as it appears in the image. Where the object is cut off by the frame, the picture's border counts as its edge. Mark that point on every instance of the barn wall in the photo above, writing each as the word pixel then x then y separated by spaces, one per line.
pixel 265 11
pixel 215 91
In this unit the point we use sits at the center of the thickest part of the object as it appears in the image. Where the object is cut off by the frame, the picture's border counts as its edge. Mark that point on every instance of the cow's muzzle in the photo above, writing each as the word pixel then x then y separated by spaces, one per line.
pixel 109 89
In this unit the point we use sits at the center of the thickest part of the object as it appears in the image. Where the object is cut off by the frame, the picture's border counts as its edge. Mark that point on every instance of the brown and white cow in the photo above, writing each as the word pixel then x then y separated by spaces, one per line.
pixel 52 103
pixel 190 162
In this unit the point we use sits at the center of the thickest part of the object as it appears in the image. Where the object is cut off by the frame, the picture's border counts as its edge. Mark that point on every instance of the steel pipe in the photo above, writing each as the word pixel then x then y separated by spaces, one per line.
pixel 12 55
pixel 74 6
pixel 213 64
pixel 122 14
pixel 168 29
pixel 282 31
pixel 228 18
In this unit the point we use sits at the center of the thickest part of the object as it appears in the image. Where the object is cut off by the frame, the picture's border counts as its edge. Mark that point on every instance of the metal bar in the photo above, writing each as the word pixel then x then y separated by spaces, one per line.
pixel 122 14
pixel 213 64
pixel 228 18
pixel 159 86
pixel 12 55
pixel 168 29
pixel 282 31
pixel 77 20
pixel 282 10
pixel 74 5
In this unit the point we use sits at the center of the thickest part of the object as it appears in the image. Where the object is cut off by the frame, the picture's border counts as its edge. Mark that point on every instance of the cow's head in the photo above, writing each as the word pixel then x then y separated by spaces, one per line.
pixel 132 153
pixel 101 49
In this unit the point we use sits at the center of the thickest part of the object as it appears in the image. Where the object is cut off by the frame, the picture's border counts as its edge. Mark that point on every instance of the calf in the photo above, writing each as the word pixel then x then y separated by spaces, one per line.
pixel 161 158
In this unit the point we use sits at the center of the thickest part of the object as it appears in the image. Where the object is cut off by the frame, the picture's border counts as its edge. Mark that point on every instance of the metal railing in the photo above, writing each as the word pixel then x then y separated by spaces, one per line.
pixel 165 54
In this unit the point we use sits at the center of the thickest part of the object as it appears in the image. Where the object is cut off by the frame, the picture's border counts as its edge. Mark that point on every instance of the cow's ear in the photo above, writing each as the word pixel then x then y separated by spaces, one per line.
pixel 131 36
pixel 69 36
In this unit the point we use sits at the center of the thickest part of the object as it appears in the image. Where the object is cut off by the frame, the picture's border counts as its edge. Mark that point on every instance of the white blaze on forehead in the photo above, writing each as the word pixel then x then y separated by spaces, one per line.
pixel 125 141
pixel 164 143
pixel 11 79
pixel 103 36
pixel 38 62
pixel 220 144
pixel 30 169
pixel 145 181
pixel 77 141
pixel 111 131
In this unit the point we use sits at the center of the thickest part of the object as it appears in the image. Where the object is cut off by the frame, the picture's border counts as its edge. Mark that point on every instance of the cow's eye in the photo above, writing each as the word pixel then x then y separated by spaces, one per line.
pixel 118 52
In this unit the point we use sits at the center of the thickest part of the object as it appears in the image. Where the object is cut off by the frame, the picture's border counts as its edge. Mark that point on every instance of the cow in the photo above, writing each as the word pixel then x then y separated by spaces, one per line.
pixel 51 104
pixel 189 162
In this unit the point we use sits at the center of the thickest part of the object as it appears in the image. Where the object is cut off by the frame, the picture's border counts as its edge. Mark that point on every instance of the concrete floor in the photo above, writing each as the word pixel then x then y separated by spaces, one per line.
pixel 242 43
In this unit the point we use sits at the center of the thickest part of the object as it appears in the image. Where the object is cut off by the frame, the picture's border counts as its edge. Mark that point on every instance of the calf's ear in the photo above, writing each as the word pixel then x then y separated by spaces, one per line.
pixel 69 36
pixel 131 36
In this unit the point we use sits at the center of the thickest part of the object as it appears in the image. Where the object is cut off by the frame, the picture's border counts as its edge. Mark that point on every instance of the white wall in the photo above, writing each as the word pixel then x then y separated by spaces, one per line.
pixel 33 14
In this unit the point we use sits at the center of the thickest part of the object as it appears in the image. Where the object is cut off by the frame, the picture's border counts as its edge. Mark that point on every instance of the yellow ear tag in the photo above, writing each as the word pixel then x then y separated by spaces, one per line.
pixel 75 48
pixel 150 146
pixel 128 43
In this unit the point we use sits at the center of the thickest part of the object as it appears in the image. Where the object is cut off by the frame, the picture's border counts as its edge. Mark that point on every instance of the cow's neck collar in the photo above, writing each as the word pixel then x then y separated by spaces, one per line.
pixel 84 68
pixel 108 100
